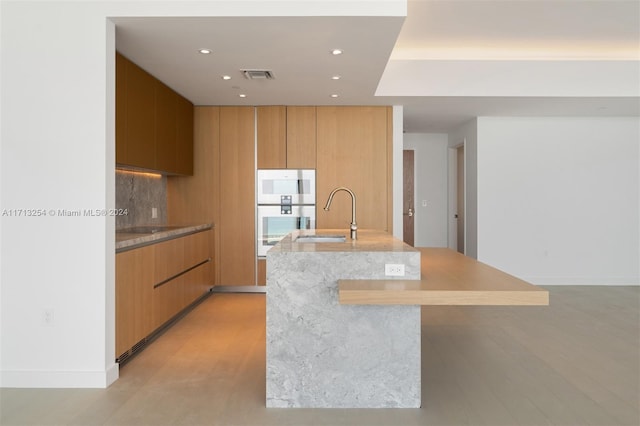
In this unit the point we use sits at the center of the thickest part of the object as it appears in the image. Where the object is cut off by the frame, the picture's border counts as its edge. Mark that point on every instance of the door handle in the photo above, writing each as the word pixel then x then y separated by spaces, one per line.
pixel 409 213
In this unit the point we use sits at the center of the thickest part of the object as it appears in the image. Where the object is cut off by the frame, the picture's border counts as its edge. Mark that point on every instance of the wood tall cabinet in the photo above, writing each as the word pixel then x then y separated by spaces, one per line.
pixel 354 150
pixel 154 124
pixel 237 196
pixel 221 190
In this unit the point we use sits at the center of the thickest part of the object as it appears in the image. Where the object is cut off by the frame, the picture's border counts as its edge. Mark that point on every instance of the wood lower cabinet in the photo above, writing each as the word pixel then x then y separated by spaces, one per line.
pixel 197 257
pixel 156 282
pixel 134 294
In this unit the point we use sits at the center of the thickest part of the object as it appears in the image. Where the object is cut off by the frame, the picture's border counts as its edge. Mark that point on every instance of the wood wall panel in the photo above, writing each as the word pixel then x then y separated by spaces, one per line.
pixel 352 151
pixel 272 137
pixel 301 137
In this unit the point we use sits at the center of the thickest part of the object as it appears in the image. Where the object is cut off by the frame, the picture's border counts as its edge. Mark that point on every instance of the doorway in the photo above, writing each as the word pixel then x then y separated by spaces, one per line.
pixel 460 198
pixel 408 208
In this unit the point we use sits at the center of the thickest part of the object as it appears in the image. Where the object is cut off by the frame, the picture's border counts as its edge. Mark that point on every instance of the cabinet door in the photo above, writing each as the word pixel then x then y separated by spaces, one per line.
pixel 166 131
pixel 184 136
pixel 134 292
pixel 169 259
pixel 140 117
pixel 237 197
pixel 353 152
pixel 272 137
pixel 121 109
pixel 262 272
pixel 196 282
pixel 197 249
pixel 168 293
pixel 301 137
pixel 168 300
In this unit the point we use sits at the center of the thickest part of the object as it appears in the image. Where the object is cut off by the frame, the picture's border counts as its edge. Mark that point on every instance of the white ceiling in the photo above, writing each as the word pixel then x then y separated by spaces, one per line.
pixel 446 62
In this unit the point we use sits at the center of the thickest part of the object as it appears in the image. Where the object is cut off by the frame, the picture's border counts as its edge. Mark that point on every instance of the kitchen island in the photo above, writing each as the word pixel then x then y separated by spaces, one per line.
pixel 323 354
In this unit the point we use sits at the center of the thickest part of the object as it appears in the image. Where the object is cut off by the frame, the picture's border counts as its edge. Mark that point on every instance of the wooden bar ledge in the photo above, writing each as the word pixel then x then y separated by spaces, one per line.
pixel 448 278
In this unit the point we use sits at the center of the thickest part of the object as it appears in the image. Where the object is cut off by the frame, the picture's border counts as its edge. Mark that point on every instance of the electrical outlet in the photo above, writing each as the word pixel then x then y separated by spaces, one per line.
pixel 154 213
pixel 394 269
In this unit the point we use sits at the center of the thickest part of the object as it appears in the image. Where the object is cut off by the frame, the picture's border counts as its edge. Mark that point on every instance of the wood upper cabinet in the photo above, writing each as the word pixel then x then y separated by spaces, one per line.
pixel 121 109
pixel 140 123
pixel 301 137
pixel 154 124
pixel 166 128
pixel 185 136
pixel 354 150
pixel 236 224
pixel 286 137
pixel 271 122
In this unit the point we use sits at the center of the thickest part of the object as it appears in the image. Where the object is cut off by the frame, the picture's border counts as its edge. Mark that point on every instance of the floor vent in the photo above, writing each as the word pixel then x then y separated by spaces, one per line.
pixel 131 352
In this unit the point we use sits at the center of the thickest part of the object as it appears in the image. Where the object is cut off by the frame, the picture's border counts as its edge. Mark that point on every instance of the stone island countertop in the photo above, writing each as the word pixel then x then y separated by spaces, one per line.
pixel 323 354
pixel 368 241
pixel 140 236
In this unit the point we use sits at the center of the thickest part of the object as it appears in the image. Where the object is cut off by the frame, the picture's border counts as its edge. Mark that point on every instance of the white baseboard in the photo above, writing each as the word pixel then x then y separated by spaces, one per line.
pixel 59 379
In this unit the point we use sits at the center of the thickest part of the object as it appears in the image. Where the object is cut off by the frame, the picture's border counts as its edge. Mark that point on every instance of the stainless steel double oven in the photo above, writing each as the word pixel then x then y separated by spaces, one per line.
pixel 286 202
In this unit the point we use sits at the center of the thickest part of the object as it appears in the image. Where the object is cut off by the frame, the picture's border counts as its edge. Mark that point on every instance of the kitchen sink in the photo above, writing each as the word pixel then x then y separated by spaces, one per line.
pixel 320 239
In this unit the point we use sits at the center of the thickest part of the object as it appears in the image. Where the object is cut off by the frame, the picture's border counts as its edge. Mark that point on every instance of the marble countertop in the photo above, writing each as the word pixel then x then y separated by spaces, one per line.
pixel 139 236
pixel 368 241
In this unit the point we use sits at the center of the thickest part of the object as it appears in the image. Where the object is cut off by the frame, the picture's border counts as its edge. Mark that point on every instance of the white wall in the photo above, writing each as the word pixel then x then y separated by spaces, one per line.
pixel 397 184
pixel 558 198
pixel 57 144
pixel 430 170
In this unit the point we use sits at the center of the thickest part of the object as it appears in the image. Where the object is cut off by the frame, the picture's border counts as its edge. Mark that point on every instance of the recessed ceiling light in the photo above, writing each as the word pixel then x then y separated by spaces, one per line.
pixel 334 95
pixel 242 95
pixel 204 51
pixel 226 77
pixel 336 52
pixel 336 77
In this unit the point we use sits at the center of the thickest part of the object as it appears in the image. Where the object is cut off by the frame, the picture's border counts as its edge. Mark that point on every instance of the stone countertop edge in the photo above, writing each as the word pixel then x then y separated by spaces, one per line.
pixel 368 240
pixel 128 241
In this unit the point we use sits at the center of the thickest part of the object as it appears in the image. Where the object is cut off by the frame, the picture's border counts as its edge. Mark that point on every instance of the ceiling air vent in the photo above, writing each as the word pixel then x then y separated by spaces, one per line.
pixel 258 74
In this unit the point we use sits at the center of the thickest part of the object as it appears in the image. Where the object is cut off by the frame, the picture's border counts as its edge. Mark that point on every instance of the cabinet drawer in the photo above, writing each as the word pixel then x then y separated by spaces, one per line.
pixel 169 259
pixel 197 248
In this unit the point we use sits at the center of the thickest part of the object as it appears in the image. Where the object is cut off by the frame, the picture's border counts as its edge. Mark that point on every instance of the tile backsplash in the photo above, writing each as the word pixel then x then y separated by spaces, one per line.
pixel 139 193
